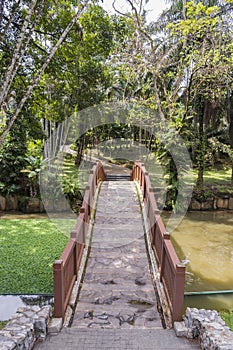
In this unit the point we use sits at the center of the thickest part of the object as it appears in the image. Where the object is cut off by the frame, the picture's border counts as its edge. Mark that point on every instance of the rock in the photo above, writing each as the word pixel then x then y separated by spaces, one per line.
pixel 195 205
pixel 99 324
pixel 68 315
pixel 3 203
pixel 231 203
pixel 222 203
pixel 140 281
pixel 55 325
pixel 26 326
pixel 131 319
pixel 88 314
pixel 32 206
pixel 207 205
pixel 209 328
pixel 11 203
pixel 102 317
pixel 74 295
pixel 109 282
pixel 180 329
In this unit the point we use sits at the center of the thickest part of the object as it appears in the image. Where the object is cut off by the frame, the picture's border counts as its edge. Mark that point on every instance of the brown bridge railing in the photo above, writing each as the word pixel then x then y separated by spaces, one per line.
pixel 66 268
pixel 172 272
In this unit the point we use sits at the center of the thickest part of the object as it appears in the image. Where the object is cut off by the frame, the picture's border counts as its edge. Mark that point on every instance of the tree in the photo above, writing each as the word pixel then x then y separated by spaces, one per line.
pixel 208 57
pixel 76 77
pixel 182 67
pixel 20 51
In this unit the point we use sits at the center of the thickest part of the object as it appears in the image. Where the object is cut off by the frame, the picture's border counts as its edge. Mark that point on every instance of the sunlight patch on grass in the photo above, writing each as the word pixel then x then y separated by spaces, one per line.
pixel 218 179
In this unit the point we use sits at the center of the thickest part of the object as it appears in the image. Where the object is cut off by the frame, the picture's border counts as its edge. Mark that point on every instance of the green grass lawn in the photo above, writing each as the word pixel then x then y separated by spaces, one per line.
pixel 216 178
pixel 28 248
pixel 227 316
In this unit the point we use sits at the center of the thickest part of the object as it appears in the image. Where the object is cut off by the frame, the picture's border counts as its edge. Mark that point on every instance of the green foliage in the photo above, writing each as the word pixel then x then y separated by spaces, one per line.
pixel 71 190
pixel 3 324
pixel 227 316
pixel 20 162
pixel 70 185
pixel 28 248
pixel 76 78
pixel 12 160
pixel 97 33
pixel 200 20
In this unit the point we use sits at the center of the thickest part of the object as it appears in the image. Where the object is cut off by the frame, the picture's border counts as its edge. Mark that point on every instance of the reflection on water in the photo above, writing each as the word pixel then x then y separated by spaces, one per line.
pixel 218 301
pixel 10 303
pixel 205 239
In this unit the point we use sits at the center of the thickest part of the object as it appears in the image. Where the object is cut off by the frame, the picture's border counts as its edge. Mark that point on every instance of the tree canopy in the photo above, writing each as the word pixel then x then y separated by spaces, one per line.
pixel 61 58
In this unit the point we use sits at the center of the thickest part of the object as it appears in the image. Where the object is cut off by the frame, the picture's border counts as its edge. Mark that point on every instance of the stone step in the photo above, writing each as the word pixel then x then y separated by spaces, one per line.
pixel 118 177
pixel 116 339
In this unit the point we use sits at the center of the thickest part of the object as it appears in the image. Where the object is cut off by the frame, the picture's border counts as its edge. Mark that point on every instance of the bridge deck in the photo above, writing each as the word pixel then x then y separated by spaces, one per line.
pixel 117 307
pixel 117 291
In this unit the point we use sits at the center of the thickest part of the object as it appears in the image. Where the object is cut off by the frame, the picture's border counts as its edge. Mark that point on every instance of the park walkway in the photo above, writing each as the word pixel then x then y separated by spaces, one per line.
pixel 117 307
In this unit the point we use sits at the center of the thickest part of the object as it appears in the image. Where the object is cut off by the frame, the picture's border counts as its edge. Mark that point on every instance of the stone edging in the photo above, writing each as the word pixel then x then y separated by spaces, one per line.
pixel 75 292
pixel 212 203
pixel 27 326
pixel 19 203
pixel 206 326
pixel 162 300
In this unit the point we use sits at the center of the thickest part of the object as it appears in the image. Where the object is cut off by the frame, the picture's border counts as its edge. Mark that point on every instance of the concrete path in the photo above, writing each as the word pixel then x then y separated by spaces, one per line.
pixel 117 307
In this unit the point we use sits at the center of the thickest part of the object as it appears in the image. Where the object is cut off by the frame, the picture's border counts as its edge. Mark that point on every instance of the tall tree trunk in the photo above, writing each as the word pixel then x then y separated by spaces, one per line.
pixel 201 145
pixel 40 72
pixel 232 174
pixel 231 133
pixel 12 69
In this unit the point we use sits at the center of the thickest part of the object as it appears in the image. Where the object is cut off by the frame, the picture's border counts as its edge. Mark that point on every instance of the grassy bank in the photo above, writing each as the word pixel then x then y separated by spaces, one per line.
pixel 227 316
pixel 28 248
pixel 2 324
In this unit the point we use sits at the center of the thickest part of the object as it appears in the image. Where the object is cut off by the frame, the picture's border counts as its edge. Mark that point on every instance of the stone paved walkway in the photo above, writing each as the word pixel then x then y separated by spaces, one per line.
pixel 117 307
pixel 117 291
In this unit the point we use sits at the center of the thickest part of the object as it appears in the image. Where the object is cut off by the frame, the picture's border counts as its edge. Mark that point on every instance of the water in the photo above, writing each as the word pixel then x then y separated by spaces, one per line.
pixel 10 303
pixel 205 239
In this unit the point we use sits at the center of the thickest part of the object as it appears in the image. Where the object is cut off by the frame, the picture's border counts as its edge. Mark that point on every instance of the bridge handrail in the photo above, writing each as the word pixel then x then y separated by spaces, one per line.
pixel 172 272
pixel 65 269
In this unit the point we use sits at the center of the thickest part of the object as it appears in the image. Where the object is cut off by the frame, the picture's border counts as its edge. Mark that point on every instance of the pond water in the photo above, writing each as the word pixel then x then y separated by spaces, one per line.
pixel 205 241
pixel 10 303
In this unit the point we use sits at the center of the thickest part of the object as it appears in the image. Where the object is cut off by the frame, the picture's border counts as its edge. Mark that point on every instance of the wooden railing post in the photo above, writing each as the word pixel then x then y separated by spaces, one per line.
pixel 153 230
pixel 73 234
pixel 178 292
pixel 59 296
pixel 166 236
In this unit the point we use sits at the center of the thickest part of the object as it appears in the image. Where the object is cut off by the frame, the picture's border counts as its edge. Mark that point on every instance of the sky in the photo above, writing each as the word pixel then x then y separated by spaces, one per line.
pixel 155 7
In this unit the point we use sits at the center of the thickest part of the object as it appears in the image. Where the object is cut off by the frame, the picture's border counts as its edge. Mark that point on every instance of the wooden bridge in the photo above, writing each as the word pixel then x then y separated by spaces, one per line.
pixel 119 268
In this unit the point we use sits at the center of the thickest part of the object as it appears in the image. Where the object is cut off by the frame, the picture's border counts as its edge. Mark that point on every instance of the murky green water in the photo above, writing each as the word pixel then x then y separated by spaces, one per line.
pixel 205 240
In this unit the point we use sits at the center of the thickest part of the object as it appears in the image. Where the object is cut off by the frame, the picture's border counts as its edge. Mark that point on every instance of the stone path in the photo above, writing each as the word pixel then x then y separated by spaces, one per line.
pixel 117 307
pixel 117 291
